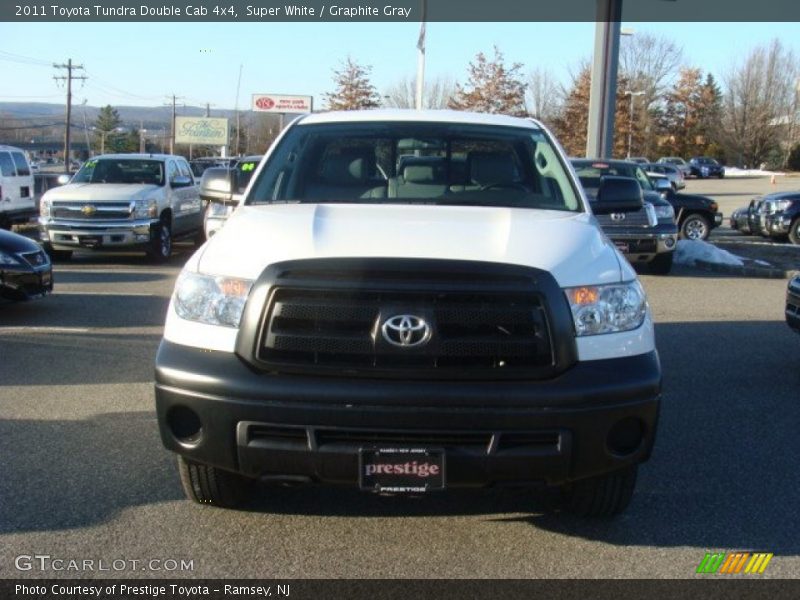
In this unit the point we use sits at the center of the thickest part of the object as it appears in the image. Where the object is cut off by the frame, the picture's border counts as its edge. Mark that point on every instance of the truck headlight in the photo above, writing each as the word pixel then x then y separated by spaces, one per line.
pixel 215 209
pixel 211 299
pixel 44 208
pixel 145 209
pixel 602 309
pixel 665 212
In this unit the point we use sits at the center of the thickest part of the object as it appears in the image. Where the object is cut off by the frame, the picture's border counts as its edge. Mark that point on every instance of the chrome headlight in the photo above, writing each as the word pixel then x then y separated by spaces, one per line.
pixel 145 209
pixel 211 299
pixel 44 208
pixel 7 259
pixel 665 212
pixel 601 309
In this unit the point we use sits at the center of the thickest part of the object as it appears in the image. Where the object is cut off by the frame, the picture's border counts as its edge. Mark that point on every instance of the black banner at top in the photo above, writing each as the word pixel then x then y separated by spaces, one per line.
pixel 267 11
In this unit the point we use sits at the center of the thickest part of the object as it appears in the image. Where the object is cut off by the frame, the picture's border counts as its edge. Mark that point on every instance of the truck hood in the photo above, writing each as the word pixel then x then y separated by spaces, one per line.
pixel 568 245
pixel 98 192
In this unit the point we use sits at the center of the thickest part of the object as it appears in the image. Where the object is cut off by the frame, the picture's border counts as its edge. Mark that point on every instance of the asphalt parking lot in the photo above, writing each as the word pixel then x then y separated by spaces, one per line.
pixel 84 475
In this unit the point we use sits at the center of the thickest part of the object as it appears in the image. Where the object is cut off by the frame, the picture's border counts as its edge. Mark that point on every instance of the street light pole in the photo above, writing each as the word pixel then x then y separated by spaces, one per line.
pixel 630 123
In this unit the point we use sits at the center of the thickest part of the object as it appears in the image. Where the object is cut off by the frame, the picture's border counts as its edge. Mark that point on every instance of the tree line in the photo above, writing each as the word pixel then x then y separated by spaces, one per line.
pixel 746 118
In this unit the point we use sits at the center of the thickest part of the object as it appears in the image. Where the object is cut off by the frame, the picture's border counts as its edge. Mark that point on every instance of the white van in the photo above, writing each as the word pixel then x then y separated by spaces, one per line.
pixel 17 203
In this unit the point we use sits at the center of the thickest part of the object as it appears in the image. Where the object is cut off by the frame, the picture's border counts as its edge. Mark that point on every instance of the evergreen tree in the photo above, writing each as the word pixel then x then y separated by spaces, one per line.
pixel 492 87
pixel 354 91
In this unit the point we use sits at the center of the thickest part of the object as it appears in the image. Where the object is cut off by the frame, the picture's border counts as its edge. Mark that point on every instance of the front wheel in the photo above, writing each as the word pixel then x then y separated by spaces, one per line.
pixel 161 244
pixel 794 231
pixel 695 227
pixel 662 263
pixel 205 484
pixel 603 496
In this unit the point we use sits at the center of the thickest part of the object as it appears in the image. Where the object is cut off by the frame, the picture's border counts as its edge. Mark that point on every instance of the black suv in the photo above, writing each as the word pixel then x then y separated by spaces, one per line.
pixel 782 216
pixel 647 236
pixel 705 166
pixel 696 215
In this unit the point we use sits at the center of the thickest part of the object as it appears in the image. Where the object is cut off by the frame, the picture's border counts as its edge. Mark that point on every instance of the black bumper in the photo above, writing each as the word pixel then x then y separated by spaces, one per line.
pixel 25 283
pixel 597 417
pixel 643 244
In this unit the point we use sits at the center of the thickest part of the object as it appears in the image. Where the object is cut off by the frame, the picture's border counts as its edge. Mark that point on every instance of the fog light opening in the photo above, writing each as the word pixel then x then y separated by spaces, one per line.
pixel 626 436
pixel 669 242
pixel 185 425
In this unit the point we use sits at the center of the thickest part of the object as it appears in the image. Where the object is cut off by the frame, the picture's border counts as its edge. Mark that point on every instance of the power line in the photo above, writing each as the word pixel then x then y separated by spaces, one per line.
pixel 23 60
pixel 69 77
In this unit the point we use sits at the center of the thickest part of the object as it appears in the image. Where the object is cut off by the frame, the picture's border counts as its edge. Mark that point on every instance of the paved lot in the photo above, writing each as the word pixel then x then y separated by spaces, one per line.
pixel 83 474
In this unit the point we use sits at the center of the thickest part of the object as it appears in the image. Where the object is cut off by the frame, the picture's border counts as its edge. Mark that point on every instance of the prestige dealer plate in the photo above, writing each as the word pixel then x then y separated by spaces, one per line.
pixel 401 469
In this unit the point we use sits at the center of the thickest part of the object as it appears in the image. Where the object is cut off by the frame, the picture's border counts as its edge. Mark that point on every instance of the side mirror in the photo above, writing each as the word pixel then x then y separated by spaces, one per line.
pixel 616 195
pixel 63 179
pixel 216 185
pixel 181 181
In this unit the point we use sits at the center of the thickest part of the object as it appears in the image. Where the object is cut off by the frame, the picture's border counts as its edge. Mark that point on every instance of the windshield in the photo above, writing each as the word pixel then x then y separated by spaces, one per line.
pixel 433 163
pixel 590 173
pixel 121 170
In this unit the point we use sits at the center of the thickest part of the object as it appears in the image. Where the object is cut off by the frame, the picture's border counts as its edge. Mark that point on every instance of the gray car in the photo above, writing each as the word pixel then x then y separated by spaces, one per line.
pixel 673 173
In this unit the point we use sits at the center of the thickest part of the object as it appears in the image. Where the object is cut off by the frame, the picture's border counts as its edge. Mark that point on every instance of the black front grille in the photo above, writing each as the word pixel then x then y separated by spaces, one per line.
pixel 423 439
pixel 332 324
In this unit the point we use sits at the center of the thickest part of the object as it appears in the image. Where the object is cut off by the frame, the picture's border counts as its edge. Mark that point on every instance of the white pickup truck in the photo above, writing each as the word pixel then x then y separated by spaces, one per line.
pixel 123 201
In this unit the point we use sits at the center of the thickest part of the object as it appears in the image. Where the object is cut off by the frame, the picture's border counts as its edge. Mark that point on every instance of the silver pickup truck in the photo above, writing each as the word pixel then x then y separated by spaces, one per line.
pixel 123 201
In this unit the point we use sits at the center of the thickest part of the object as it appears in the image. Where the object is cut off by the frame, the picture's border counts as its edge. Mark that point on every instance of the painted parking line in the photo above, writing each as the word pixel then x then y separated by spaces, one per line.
pixel 34 329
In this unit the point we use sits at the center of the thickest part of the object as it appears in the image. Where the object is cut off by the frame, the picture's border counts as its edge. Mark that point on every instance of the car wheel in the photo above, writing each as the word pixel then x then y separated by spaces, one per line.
pixel 662 263
pixel 603 496
pixel 205 484
pixel 695 227
pixel 794 231
pixel 161 245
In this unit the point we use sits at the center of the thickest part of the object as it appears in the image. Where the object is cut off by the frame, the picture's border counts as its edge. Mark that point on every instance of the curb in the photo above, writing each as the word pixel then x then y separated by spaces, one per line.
pixel 744 270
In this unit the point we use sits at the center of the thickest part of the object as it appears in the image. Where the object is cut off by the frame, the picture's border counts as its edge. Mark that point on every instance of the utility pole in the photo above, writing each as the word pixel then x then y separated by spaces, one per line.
pixel 68 78
pixel 174 99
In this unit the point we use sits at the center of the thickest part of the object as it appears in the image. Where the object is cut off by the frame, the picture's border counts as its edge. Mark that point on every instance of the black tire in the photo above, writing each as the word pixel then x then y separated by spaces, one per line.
pixel 662 263
pixel 603 496
pixel 695 227
pixel 161 245
pixel 794 232
pixel 205 484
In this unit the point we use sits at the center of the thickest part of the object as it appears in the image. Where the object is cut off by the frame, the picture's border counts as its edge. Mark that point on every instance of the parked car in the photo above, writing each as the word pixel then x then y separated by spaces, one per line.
pixel 221 189
pixel 25 268
pixel 704 167
pixel 676 161
pixel 793 303
pixel 674 174
pixel 17 204
pixel 647 236
pixel 753 216
pixel 782 215
pixel 462 323
pixel 123 201
pixel 639 160
pixel 741 218
pixel 696 215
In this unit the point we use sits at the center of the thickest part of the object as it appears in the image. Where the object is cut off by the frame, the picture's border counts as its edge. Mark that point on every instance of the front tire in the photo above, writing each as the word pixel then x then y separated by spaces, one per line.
pixel 695 227
pixel 603 496
pixel 161 245
pixel 204 484
pixel 794 232
pixel 662 263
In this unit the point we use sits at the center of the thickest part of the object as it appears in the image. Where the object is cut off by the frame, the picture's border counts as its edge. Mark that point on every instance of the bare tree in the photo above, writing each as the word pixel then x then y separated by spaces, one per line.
pixel 650 63
pixel 758 105
pixel 493 87
pixel 354 90
pixel 436 95
pixel 543 95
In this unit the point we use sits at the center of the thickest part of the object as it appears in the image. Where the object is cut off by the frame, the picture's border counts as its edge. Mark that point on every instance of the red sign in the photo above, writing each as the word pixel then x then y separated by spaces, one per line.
pixel 278 103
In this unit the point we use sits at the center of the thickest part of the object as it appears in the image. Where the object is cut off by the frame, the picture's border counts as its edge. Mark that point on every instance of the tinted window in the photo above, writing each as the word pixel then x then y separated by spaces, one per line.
pixel 7 165
pixel 22 164
pixel 108 170
pixel 416 163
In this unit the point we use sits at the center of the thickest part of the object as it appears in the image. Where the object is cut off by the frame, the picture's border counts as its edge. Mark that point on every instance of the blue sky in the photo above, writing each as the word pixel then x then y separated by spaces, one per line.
pixel 140 64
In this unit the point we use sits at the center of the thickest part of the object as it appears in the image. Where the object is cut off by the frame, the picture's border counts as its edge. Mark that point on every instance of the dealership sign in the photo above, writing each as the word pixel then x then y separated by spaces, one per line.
pixel 278 103
pixel 201 130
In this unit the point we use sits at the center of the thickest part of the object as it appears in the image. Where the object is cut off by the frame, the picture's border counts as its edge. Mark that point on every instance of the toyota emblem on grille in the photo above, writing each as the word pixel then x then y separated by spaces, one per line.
pixel 406 331
pixel 617 216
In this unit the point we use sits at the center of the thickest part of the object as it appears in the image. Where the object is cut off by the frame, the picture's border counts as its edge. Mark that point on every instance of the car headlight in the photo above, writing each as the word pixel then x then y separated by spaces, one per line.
pixel 602 309
pixel 211 299
pixel 145 209
pixel 665 212
pixel 215 209
pixel 44 208
pixel 7 259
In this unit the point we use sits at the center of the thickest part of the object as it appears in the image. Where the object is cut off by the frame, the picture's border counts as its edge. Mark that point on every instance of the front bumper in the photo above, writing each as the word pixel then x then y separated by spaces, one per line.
pixel 67 235
pixel 597 417
pixel 25 283
pixel 640 246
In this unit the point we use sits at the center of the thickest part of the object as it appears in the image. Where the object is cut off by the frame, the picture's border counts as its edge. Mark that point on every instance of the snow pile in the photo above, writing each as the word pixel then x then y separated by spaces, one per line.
pixel 689 252
pixel 736 172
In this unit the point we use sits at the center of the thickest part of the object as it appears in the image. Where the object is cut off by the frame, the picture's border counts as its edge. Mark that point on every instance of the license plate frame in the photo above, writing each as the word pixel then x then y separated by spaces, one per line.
pixel 423 470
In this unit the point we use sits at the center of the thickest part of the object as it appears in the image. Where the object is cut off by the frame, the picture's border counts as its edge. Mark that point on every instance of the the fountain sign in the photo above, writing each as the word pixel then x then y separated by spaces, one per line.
pixel 201 130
